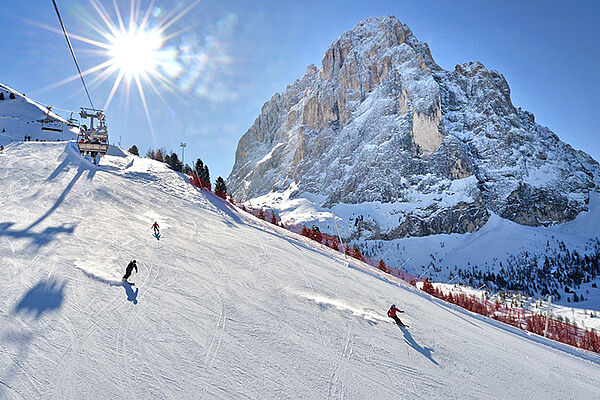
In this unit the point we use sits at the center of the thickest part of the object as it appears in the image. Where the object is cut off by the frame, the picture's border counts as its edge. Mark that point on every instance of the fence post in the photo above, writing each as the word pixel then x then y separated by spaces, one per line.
pixel 339 236
pixel 547 316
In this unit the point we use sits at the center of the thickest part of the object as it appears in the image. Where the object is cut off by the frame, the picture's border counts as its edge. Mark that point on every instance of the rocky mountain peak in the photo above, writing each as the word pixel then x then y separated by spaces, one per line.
pixel 381 123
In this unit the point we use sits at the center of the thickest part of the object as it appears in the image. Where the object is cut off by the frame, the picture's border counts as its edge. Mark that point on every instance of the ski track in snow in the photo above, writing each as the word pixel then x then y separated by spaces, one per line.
pixel 228 306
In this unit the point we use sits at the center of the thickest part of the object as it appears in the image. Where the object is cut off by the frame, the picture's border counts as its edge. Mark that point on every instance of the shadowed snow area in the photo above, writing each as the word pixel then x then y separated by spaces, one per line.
pixel 224 305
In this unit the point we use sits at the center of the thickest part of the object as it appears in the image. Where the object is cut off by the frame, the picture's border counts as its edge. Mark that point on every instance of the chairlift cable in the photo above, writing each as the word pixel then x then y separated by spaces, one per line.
pixel 72 52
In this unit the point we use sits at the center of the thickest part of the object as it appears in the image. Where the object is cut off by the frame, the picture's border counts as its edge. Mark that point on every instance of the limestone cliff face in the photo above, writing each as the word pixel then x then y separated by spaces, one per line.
pixel 380 121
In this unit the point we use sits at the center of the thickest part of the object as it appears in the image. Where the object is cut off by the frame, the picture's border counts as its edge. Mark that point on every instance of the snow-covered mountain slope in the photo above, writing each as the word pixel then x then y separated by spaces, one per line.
pixel 499 244
pixel 225 306
pixel 21 116
pixel 436 151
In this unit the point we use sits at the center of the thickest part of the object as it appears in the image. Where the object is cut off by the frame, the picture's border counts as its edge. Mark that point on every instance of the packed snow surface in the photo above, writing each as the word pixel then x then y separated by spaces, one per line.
pixel 225 305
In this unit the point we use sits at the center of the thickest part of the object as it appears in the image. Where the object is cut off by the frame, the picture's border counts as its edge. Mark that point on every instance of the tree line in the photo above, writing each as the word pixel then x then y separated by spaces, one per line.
pixel 172 160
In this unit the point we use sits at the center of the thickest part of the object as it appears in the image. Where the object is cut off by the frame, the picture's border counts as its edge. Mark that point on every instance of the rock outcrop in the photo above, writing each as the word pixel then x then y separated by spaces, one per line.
pixel 381 122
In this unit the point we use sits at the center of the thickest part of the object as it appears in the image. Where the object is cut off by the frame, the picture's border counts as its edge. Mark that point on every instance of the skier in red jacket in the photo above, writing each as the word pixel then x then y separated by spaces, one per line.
pixel 155 227
pixel 392 314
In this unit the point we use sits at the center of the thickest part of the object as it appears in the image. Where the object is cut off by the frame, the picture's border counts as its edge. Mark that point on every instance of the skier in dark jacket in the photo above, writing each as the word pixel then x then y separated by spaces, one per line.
pixel 129 269
pixel 155 227
pixel 392 314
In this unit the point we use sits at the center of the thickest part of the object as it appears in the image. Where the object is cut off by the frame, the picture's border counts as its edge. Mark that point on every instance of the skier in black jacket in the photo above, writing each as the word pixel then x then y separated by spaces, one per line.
pixel 129 269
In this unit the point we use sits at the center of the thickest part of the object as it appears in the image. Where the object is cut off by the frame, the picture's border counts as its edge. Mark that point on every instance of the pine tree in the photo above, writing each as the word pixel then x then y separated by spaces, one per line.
pixel 305 231
pixel 382 266
pixel 134 150
pixel 151 154
pixel 220 185
pixel 11 96
pixel 187 169
pixel 158 156
pixel 206 174
pixel 199 169
pixel 174 162
pixel 356 253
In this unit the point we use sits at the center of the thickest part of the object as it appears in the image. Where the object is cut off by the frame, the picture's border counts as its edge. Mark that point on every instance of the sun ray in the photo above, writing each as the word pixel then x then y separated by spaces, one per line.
pixel 71 35
pixel 103 13
pixel 101 77
pixel 164 80
pixel 181 31
pixel 98 67
pixel 179 16
pixel 158 95
pixel 147 13
pixel 144 103
pixel 113 90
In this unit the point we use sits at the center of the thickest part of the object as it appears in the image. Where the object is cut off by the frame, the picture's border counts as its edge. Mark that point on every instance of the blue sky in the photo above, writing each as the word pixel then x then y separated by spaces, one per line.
pixel 237 54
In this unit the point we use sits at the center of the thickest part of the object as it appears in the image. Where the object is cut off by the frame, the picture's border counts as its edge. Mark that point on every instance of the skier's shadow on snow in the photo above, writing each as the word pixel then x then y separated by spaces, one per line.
pixel 131 295
pixel 157 236
pixel 426 351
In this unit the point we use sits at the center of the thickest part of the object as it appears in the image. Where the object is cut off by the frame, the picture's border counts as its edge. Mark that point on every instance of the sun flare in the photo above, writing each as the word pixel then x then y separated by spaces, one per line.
pixel 136 52
pixel 137 49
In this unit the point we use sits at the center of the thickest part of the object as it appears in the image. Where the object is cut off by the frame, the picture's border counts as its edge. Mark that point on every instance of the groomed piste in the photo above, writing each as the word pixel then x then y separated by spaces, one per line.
pixel 224 305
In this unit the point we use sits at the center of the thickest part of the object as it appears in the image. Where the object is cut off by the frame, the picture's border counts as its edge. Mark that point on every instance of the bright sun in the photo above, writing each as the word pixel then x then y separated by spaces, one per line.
pixel 136 51
pixel 134 48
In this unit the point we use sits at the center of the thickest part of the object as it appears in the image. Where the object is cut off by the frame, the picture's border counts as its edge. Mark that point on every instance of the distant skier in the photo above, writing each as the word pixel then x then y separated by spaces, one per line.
pixel 129 269
pixel 392 314
pixel 155 227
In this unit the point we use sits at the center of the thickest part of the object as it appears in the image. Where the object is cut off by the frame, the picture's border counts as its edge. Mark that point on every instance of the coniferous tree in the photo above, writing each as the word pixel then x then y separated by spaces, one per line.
pixel 134 150
pixel 1 95
pixel 151 154
pixel 356 253
pixel 174 163
pixel 158 156
pixel 305 231
pixel 206 174
pixel 11 96
pixel 167 159
pixel 220 185
pixel 187 169
pixel 199 168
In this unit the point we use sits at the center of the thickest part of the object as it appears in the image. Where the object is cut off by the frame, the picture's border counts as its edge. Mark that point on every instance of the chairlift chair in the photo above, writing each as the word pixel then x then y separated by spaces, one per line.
pixel 93 140
pixel 51 124
pixel 73 122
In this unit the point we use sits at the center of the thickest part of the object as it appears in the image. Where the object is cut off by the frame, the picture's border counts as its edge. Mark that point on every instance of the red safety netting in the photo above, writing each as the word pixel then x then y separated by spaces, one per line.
pixel 521 318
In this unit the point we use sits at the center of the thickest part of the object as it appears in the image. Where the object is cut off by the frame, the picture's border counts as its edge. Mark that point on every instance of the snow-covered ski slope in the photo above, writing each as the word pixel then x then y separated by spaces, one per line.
pixel 22 116
pixel 225 306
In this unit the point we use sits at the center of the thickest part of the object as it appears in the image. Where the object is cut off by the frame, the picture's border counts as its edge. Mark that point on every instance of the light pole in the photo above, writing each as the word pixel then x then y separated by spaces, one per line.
pixel 182 145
